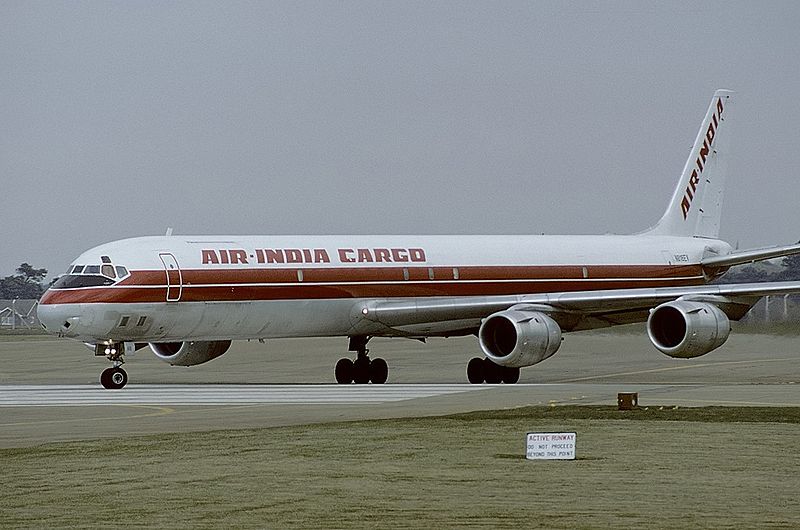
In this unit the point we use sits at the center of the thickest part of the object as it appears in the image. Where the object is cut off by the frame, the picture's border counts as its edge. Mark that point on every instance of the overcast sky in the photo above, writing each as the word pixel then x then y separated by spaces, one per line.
pixel 120 119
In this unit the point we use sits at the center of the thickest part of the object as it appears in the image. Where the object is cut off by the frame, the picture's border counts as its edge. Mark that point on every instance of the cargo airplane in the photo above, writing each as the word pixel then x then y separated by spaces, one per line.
pixel 188 297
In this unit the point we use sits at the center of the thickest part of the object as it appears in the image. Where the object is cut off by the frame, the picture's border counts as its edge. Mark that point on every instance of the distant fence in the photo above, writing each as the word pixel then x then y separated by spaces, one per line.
pixel 19 314
pixel 776 309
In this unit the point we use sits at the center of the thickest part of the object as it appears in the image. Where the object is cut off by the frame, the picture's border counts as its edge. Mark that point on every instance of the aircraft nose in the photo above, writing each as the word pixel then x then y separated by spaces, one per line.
pixel 57 319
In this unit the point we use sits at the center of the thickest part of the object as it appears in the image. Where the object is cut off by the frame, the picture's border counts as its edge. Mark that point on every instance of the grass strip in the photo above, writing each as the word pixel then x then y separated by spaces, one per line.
pixel 675 467
pixel 714 414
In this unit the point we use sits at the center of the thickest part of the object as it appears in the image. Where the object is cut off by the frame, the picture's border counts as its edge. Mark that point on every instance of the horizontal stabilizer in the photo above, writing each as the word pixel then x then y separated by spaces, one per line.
pixel 749 256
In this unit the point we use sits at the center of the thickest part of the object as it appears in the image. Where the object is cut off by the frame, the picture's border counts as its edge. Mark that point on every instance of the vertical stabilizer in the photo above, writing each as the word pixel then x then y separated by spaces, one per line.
pixel 696 205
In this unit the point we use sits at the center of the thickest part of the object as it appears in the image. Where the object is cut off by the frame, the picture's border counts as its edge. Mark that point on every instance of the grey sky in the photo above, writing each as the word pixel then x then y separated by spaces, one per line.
pixel 123 118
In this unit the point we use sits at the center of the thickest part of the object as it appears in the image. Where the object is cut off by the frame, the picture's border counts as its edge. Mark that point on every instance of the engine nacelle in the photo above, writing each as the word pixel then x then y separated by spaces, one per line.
pixel 687 329
pixel 189 353
pixel 519 338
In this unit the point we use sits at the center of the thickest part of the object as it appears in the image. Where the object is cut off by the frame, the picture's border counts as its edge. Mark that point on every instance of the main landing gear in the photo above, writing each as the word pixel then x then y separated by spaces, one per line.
pixel 115 377
pixel 485 371
pixel 363 370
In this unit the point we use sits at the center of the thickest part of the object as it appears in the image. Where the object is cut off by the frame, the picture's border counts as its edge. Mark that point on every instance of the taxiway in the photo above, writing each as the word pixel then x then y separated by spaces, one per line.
pixel 49 389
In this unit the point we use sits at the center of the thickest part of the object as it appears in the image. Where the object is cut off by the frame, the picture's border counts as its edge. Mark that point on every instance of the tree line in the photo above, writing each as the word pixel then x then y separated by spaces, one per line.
pixel 788 271
pixel 27 283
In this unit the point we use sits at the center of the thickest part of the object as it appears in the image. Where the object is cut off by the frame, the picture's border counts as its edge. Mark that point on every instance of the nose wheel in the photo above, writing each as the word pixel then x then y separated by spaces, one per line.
pixel 113 378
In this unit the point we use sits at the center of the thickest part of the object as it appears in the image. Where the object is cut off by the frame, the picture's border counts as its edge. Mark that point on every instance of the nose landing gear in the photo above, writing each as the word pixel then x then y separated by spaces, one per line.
pixel 115 377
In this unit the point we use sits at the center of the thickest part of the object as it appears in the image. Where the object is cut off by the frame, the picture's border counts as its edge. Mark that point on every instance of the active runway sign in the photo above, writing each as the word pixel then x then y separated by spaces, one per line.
pixel 550 446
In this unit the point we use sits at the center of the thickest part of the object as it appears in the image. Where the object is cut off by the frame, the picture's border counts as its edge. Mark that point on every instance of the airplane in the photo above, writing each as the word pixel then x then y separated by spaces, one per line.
pixel 188 297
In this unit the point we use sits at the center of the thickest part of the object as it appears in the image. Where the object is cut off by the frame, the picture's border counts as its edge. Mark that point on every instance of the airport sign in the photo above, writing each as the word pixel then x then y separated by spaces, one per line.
pixel 550 446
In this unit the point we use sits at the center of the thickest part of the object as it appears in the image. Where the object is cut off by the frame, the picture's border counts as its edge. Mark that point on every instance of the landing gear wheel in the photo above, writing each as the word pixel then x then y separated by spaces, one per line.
pixel 344 371
pixel 105 378
pixel 378 371
pixel 114 378
pixel 492 372
pixel 475 371
pixel 510 375
pixel 361 370
pixel 485 371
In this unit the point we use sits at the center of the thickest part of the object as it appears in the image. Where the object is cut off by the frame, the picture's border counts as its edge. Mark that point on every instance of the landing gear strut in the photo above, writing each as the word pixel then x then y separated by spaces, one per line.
pixel 485 371
pixel 115 377
pixel 363 370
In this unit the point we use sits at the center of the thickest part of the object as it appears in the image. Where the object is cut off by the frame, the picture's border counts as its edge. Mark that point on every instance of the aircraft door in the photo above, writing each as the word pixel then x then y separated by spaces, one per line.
pixel 174 277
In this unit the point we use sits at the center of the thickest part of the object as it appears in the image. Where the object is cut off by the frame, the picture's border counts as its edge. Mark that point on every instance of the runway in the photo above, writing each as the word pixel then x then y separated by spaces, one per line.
pixel 208 395
pixel 49 389
pixel 321 395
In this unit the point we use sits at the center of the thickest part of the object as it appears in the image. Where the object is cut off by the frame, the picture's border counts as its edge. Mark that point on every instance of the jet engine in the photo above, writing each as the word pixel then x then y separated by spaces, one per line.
pixel 687 329
pixel 189 353
pixel 519 338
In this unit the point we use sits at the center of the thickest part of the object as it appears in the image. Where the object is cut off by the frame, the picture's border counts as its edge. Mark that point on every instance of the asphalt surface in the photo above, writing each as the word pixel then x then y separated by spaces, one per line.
pixel 49 388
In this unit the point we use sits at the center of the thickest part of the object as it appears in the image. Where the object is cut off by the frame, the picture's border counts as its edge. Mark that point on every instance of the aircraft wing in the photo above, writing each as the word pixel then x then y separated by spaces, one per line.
pixel 574 311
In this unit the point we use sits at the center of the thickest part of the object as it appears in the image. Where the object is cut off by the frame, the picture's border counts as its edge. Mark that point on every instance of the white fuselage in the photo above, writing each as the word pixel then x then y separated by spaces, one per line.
pixel 176 288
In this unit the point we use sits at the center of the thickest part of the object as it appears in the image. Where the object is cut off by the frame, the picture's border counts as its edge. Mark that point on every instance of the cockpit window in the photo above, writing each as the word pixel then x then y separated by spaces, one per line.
pixel 108 270
pixel 91 275
pixel 73 281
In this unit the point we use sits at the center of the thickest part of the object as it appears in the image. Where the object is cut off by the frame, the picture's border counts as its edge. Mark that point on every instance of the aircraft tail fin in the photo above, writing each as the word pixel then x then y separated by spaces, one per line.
pixel 696 205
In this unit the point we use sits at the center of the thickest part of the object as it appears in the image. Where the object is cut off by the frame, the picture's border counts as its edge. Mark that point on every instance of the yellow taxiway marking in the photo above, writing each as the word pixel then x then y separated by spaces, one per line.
pixel 159 411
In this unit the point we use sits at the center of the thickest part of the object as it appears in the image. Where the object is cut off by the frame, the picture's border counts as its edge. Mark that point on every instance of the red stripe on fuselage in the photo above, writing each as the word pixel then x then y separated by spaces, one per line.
pixel 387 274
pixel 374 282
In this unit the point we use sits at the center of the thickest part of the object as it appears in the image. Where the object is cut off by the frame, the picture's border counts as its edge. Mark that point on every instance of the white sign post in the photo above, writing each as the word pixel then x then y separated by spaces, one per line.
pixel 550 446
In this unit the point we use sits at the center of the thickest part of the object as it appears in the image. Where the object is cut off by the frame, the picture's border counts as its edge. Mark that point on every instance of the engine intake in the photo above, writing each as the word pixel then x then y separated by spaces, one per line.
pixel 189 353
pixel 687 329
pixel 519 338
